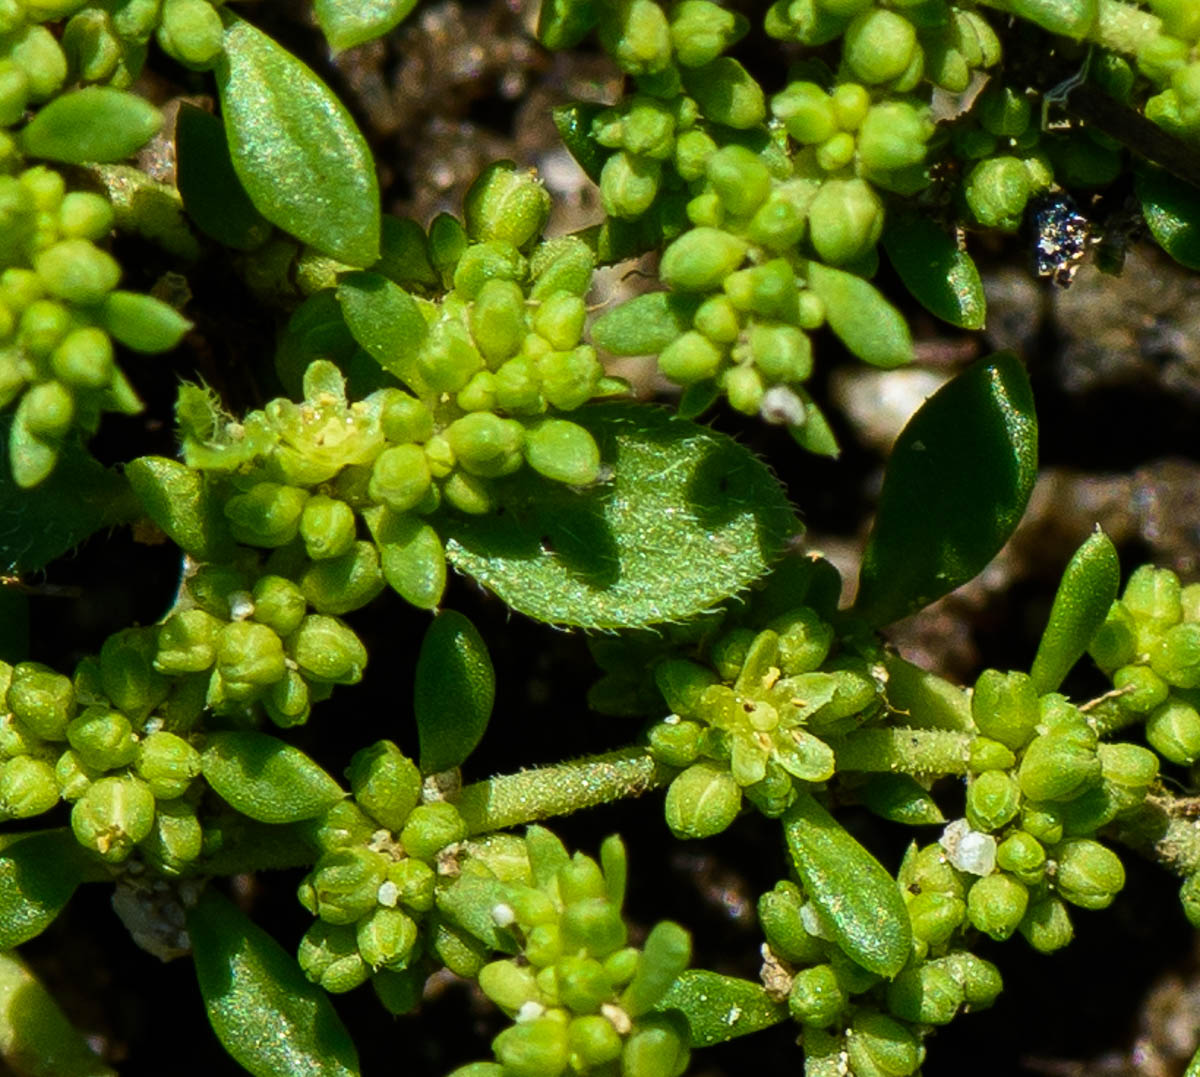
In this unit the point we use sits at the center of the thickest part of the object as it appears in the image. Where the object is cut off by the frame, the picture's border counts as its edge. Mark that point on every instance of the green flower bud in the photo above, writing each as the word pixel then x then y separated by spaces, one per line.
pixel 807 112
pixel 507 204
pixel 594 925
pixel 78 271
pixel 1047 925
pixel 1060 764
pixel 404 418
pixel 44 324
pixel 816 997
pixel 893 135
pixel 562 451
pixel 84 215
pixel 279 603
pixel 560 320
pixel 47 410
pixel 103 738
pixel 744 388
pixel 836 153
pixel 582 983
pixel 344 824
pixel 1173 730
pixel 996 191
pixel 267 515
pixel 740 179
pixel 485 444
pixel 430 828
pixel 928 995
pixel 701 31
pixel 845 220
pixel 498 322
pixel 623 965
pixel 1022 855
pixel 543 945
pixel 1115 642
pixel 84 358
pixel 702 801
pixel 851 103
pixel 1088 875
pixel 1176 656
pixel 878 1044
pixel 342 584
pixel 592 1041
pixel 996 904
pixel 690 358
pixel 718 320
pixel 629 184
pixel 1005 707
pixel 187 642
pixel 1043 821
pixel 191 32
pixel 14 93
pixel 410 883
pixel 1143 689
pixel 726 93
pixel 479 394
pixel 249 656
pixel 992 800
pixel 177 838
pixel 533 1048
pixel 987 754
pixel 1189 898
pixel 1128 765
pixel 782 352
pixel 569 378
pixel 658 1046
pixel 879 45
pixel 386 938
pixel 385 782
pixel 288 701
pixel 768 289
pixel 142 322
pixel 329 956
pixel 936 916
pixel 27 787
pixel 41 700
pixel 327 526
pixel 73 775
pixel 692 151
pixel 508 985
pixel 167 764
pixel 345 883
pixel 327 650
pixel 779 912
pixel 112 816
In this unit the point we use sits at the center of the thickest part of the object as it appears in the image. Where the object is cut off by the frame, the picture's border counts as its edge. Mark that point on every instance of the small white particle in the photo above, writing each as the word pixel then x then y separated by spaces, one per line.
pixel 241 605
pixel 389 894
pixel 529 1011
pixel 503 915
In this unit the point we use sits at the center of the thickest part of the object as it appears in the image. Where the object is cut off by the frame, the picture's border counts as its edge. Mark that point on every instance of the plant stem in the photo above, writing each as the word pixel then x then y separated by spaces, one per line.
pixel 920 752
pixel 1165 829
pixel 513 799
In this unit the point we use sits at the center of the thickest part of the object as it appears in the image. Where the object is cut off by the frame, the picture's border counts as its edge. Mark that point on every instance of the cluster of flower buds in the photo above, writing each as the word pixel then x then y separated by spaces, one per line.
pixel 581 998
pixel 60 314
pixel 1166 58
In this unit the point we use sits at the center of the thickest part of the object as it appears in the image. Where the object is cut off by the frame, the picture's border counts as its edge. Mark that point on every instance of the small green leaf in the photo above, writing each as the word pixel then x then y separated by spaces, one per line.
pixel 265 1012
pixel 646 324
pixel 266 779
pixel 299 155
pixel 849 887
pixel 212 194
pixel 453 691
pixel 863 320
pixel 900 798
pixel 689 518
pixel 719 1008
pixel 38 875
pixel 1172 211
pixel 386 321
pixel 79 497
pixel 1081 604
pixel 943 278
pixel 955 487
pixel 346 23
pixel 36 1039
pixel 96 123
pixel 574 123
pixel 180 501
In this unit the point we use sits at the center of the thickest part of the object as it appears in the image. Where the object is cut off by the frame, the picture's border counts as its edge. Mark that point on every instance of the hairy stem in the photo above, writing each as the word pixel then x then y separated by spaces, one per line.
pixel 920 752
pixel 1165 829
pixel 513 799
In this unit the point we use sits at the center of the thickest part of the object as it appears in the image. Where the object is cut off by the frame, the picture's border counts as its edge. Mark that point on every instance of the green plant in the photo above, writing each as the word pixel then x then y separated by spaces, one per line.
pixel 438 408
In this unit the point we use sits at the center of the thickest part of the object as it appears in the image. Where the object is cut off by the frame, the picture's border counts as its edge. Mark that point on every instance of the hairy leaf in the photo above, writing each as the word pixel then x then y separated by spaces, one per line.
pixel 720 1008
pixel 943 279
pixel 956 485
pixel 38 875
pixel 299 155
pixel 849 887
pixel 264 1010
pixel 688 518
pixel 1172 211
pixel 453 691
pixel 266 779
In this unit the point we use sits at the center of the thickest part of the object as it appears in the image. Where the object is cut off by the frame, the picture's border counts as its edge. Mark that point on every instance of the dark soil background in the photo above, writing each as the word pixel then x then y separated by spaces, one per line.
pixel 1116 369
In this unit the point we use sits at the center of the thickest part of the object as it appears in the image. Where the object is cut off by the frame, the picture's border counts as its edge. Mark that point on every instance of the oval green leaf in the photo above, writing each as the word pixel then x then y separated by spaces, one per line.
pixel 900 798
pixel 1172 211
pixel 213 196
pixel 96 123
pixel 863 320
pixel 1084 597
pixel 958 480
pixel 453 691
pixel 264 1010
pixel 346 23
pixel 719 1008
pixel 180 502
pixel 942 278
pixel 849 887
pixel 646 324
pixel 386 321
pixel 295 148
pixel 688 519
pixel 38 875
pixel 266 779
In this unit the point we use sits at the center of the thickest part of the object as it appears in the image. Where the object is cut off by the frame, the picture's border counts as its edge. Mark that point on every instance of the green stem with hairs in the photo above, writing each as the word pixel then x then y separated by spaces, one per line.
pixel 922 753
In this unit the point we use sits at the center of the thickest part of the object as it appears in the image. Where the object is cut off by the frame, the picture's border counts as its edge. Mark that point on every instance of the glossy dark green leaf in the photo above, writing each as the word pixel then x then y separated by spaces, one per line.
pixel 96 123
pixel 574 123
pixel 79 498
pixel 346 23
pixel 267 779
pixel 265 1012
pixel 1172 211
pixel 453 691
pixel 863 320
pixel 900 799
pixel 1084 597
pixel 850 888
pixel 943 278
pixel 212 194
pixel 956 485
pixel 720 1008
pixel 386 321
pixel 38 875
pixel 688 518
pixel 295 148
